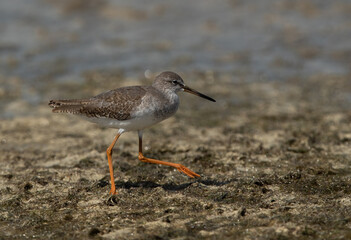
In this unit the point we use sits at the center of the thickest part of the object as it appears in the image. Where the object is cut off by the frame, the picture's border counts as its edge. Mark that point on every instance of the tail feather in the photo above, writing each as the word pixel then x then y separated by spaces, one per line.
pixel 57 103
pixel 67 106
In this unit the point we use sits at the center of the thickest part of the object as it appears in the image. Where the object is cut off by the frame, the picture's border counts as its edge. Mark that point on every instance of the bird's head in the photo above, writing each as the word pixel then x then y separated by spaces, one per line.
pixel 171 81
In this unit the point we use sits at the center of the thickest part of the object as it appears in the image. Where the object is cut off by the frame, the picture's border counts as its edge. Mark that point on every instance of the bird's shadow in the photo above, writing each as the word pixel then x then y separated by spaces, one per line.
pixel 113 200
pixel 170 186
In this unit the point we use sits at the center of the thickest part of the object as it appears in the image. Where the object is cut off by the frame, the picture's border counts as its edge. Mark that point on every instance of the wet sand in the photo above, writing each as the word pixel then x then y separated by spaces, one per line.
pixel 275 164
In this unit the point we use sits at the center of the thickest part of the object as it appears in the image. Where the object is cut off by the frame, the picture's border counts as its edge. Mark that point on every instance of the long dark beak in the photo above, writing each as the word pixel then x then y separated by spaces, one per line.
pixel 189 90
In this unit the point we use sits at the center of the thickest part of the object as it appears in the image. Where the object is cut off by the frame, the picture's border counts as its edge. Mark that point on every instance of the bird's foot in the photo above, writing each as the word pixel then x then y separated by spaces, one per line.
pixel 187 171
pixel 112 200
pixel 180 167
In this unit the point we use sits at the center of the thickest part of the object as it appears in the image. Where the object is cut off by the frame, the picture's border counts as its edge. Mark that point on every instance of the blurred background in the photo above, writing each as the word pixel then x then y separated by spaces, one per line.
pixel 51 49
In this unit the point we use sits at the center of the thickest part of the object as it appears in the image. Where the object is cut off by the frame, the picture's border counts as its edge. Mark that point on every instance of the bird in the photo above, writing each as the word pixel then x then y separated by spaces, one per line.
pixel 132 108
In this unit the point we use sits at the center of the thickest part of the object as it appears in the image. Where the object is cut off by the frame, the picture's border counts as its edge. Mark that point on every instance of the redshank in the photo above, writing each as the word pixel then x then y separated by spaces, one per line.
pixel 132 109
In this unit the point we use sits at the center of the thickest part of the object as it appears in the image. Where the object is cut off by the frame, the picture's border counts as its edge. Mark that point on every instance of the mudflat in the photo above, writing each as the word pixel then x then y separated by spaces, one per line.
pixel 274 159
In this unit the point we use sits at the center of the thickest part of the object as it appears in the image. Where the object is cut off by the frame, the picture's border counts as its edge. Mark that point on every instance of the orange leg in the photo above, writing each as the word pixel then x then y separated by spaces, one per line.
pixel 109 157
pixel 179 167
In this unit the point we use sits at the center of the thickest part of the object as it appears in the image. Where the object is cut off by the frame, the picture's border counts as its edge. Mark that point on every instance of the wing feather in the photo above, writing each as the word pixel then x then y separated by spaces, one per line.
pixel 118 104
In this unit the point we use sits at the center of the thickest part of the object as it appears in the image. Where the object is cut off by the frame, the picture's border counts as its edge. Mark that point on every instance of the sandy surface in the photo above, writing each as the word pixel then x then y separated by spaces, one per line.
pixel 275 164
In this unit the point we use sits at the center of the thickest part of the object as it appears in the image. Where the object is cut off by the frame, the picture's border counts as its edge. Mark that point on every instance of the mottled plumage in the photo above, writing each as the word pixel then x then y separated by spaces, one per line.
pixel 117 104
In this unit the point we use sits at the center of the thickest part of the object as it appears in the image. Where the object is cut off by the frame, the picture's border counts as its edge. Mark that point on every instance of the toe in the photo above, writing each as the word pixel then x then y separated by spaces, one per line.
pixel 187 171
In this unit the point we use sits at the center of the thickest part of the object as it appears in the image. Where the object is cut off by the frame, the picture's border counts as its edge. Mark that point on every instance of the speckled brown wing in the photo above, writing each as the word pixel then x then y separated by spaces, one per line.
pixel 117 104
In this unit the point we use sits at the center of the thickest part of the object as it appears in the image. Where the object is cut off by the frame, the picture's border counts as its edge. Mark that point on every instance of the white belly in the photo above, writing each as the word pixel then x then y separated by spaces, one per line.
pixel 134 124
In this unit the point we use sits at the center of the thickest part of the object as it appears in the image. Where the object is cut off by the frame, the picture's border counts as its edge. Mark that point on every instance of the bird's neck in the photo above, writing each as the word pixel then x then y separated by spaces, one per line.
pixel 170 95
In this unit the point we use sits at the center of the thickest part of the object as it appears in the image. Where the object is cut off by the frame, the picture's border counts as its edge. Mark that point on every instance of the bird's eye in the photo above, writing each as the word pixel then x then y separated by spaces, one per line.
pixel 174 82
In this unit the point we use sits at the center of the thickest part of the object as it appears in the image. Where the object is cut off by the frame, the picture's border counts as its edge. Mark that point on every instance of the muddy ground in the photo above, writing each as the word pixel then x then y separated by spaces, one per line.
pixel 274 160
